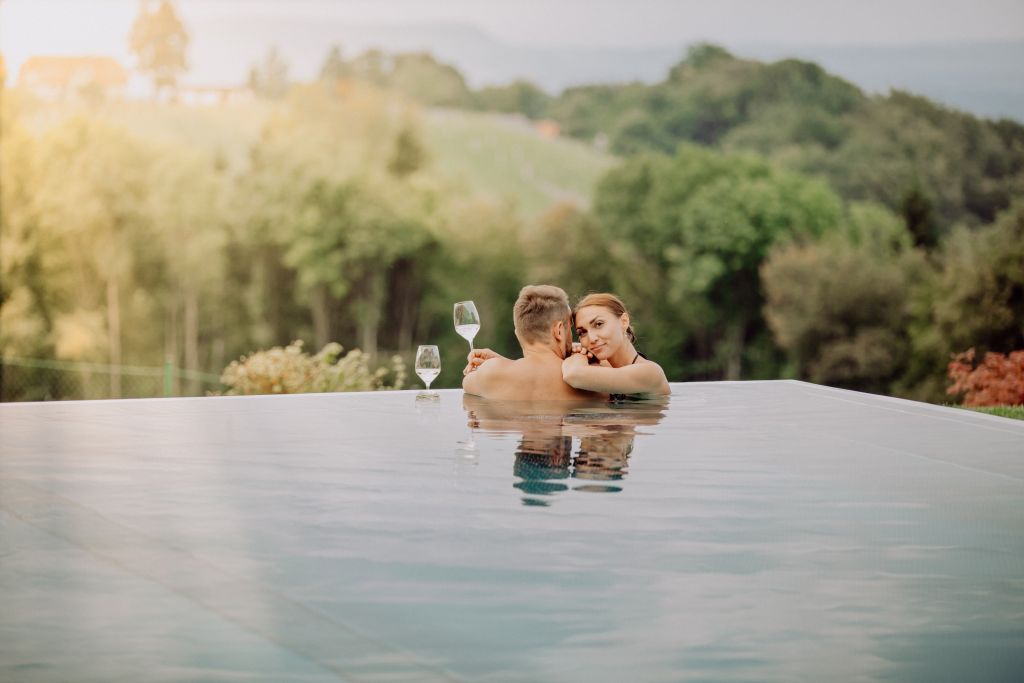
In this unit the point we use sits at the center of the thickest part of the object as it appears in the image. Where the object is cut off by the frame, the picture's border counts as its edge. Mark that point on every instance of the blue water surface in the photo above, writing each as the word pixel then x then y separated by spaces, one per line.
pixel 768 531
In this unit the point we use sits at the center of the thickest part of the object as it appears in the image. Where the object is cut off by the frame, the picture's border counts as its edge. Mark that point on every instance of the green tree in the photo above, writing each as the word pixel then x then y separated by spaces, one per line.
pixel 702 223
pixel 480 256
pixel 976 299
pixel 158 40
pixel 372 66
pixel 188 282
pixel 840 306
pixel 520 96
pixel 86 241
pixel 568 246
pixel 409 155
pixel 313 138
pixel 421 77
pixel 334 67
pixel 29 294
pixel 349 237
pixel 934 166
pixel 269 79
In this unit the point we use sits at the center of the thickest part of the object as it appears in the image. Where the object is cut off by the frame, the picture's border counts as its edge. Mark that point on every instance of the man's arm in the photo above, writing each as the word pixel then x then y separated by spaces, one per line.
pixel 483 380
pixel 477 357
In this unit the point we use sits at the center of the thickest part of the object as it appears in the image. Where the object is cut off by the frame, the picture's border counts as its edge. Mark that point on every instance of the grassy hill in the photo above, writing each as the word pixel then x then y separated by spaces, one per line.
pixel 493 155
pixel 498 155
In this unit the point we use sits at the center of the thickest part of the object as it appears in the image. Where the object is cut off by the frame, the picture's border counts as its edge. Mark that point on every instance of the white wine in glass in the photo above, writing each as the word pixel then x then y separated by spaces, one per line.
pixel 428 364
pixel 467 321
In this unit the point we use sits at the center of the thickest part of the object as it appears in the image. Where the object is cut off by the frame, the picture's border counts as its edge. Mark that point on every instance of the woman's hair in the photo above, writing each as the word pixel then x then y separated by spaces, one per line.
pixel 609 301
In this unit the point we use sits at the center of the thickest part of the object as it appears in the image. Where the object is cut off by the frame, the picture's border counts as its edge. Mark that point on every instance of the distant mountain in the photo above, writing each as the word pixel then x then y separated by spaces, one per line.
pixel 985 79
pixel 222 51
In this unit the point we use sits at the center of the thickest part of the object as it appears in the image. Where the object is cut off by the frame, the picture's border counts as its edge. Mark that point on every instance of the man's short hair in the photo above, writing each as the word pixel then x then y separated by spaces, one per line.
pixel 537 309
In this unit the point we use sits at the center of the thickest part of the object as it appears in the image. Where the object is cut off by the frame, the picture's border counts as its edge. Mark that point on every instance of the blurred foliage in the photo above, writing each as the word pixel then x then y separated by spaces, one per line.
pixel 839 306
pixel 934 166
pixel 289 370
pixel 518 97
pixel 158 40
pixel 770 221
pixel 269 78
pixel 692 231
pixel 415 74
pixel 973 298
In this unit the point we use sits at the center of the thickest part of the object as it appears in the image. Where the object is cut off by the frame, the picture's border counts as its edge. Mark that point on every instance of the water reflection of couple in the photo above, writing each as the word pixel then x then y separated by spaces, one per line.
pixel 545 460
pixel 605 362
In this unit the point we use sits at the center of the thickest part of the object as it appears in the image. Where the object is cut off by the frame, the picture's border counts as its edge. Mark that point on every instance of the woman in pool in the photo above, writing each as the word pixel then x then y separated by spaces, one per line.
pixel 606 359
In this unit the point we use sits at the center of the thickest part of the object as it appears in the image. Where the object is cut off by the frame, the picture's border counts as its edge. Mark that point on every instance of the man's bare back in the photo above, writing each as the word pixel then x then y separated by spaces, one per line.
pixel 535 377
pixel 543 326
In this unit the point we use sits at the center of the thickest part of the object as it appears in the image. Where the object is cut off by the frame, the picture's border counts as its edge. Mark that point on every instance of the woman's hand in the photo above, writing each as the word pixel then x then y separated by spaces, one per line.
pixel 578 349
pixel 476 358
pixel 572 364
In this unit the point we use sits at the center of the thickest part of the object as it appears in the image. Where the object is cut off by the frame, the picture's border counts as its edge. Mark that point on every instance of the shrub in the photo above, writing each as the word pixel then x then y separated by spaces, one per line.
pixel 997 381
pixel 290 371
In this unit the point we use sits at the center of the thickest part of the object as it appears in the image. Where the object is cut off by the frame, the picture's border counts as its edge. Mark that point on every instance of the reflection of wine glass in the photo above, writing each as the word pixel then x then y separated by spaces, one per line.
pixel 428 364
pixel 467 321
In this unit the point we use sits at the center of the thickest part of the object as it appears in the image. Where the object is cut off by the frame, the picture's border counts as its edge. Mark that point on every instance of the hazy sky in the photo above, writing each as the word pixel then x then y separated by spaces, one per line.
pixel 100 26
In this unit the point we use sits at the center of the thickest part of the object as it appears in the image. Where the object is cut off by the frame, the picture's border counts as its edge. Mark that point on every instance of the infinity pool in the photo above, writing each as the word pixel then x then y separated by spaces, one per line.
pixel 758 531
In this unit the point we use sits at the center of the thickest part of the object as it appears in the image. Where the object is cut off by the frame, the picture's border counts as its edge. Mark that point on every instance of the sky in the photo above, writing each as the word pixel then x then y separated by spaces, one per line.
pixel 100 26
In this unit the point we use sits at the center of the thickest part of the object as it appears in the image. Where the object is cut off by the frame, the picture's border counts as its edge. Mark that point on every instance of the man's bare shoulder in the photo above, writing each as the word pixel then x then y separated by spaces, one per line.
pixel 490 375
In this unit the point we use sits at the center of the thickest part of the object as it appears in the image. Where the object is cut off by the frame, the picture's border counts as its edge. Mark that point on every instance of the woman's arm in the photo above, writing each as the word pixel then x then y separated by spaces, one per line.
pixel 642 378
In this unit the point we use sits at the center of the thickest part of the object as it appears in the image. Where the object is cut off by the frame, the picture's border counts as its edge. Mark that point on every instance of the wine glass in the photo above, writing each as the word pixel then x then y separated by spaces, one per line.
pixel 467 321
pixel 428 364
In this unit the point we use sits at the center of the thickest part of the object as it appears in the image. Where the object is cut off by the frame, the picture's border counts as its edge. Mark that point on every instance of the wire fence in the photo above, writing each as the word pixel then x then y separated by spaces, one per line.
pixel 36 379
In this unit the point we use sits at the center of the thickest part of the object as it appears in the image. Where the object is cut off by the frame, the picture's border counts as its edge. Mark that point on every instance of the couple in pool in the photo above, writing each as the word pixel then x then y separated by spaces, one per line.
pixel 604 364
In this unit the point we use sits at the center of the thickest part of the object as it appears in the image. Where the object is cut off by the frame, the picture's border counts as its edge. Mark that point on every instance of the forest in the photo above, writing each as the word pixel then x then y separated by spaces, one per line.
pixel 761 220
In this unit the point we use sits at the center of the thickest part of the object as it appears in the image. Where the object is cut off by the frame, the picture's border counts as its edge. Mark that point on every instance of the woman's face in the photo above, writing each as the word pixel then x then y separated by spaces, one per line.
pixel 601 331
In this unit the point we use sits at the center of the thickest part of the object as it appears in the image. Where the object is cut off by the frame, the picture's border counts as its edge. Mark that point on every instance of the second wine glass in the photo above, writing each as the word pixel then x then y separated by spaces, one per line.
pixel 467 321
pixel 428 364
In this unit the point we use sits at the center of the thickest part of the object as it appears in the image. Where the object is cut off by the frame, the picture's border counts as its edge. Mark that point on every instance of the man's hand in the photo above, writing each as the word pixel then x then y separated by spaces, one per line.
pixel 476 358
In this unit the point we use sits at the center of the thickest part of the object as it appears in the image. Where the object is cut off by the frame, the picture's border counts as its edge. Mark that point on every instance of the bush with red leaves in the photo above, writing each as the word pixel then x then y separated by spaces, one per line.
pixel 997 381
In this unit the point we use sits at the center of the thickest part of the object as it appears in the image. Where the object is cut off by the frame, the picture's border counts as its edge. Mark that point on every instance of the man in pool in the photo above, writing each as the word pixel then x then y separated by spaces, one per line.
pixel 543 326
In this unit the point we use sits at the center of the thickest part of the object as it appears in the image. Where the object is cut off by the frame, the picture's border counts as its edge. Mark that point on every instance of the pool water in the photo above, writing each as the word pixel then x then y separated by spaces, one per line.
pixel 768 531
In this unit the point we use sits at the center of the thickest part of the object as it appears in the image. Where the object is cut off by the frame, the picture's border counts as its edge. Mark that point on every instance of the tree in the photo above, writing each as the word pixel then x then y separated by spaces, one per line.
pixel 159 40
pixel 270 78
pixel 975 300
pixel 191 238
pixel 936 167
pixel 423 78
pixel 840 306
pixel 334 67
pixel 568 246
pixel 701 223
pixel 349 237
pixel 409 155
pixel 372 66
pixel 521 97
